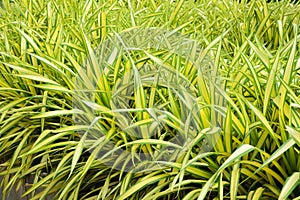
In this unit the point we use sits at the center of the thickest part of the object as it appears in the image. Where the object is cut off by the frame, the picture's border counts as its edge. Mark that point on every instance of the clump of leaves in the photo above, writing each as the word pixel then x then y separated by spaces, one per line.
pixel 254 46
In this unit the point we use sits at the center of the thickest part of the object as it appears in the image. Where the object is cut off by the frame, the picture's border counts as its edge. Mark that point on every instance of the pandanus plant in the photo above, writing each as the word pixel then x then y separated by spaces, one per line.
pixel 143 126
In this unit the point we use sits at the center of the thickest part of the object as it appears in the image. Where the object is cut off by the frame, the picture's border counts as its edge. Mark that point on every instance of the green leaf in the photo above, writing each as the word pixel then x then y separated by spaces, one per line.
pixel 279 152
pixel 141 185
pixel 295 134
pixel 290 184
pixel 57 113
pixel 37 78
pixel 36 148
pixel 241 151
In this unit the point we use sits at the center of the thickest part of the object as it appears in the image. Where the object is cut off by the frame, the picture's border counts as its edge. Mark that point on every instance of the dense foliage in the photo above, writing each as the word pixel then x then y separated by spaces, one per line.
pixel 255 48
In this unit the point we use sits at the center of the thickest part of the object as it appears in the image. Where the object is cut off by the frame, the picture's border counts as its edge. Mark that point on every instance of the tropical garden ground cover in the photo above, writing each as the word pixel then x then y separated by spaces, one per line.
pixel 253 47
